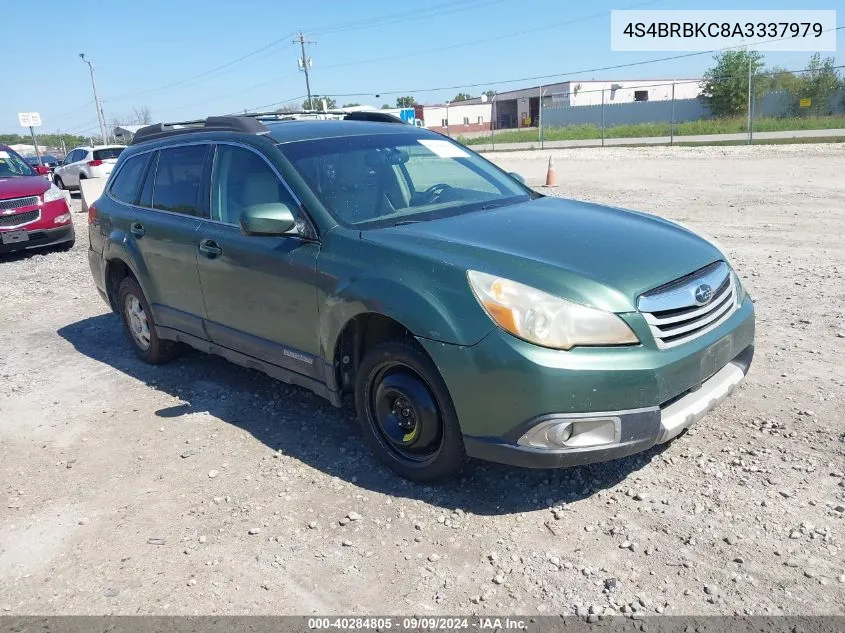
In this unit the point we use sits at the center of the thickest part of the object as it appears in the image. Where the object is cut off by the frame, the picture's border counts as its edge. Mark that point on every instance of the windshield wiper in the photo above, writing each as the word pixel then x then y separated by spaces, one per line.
pixel 403 222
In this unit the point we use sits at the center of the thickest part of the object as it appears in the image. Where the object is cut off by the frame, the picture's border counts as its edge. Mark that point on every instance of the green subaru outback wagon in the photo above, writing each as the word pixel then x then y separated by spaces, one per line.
pixel 466 313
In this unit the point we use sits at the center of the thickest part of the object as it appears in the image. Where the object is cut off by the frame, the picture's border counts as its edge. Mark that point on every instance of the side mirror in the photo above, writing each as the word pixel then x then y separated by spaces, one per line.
pixel 271 218
pixel 42 170
pixel 516 176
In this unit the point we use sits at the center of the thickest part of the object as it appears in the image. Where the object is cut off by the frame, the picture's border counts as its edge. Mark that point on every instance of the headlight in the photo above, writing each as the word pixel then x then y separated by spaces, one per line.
pixel 53 193
pixel 543 319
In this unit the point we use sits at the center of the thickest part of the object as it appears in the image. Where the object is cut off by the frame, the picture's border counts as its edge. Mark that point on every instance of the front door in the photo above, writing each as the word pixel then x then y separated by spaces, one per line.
pixel 260 291
pixel 164 228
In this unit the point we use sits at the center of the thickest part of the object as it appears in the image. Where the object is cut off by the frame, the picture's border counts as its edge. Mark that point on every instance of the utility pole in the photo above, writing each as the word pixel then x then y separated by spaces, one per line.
pixel 750 120
pixel 97 104
pixel 303 63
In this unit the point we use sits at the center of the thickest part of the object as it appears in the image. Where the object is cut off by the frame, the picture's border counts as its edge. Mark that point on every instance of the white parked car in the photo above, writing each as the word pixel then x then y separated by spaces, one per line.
pixel 86 162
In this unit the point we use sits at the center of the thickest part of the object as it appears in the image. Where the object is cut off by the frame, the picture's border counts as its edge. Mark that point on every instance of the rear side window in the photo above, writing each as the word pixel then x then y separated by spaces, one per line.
pixel 178 179
pixel 128 180
pixel 105 154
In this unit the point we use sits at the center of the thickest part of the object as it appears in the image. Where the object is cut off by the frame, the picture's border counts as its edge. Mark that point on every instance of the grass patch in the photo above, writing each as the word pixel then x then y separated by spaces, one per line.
pixel 732 125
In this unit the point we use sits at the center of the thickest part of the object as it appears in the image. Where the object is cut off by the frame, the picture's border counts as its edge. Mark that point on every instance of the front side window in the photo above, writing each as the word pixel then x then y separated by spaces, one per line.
pixel 128 179
pixel 178 179
pixel 378 180
pixel 242 179
pixel 12 165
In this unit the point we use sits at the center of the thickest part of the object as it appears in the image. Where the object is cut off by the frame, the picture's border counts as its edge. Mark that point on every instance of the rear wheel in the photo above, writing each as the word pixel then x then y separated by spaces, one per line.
pixel 407 415
pixel 140 325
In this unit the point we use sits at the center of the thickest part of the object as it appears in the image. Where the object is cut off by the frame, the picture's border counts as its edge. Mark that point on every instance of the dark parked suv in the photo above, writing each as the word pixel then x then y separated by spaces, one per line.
pixel 468 314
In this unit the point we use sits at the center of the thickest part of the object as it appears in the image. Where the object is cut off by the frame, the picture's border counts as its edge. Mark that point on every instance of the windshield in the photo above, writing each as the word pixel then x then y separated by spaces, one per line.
pixel 109 152
pixel 12 165
pixel 385 179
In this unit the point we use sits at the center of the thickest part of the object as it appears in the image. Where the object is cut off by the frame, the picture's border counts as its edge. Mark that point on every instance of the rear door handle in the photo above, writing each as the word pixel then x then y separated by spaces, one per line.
pixel 137 229
pixel 210 249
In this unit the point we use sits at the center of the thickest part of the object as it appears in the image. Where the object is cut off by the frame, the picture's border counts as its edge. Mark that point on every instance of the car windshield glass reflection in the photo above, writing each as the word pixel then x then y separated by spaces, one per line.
pixel 379 180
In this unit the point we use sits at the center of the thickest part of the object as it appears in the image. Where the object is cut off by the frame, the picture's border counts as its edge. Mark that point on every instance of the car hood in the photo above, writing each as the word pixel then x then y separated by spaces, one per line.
pixel 21 186
pixel 598 256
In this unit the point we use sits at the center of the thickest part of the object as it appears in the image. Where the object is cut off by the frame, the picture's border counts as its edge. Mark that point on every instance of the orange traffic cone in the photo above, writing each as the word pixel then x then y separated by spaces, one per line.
pixel 551 177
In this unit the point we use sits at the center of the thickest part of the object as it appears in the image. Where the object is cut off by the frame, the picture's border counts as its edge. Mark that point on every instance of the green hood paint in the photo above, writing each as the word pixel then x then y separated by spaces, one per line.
pixel 595 255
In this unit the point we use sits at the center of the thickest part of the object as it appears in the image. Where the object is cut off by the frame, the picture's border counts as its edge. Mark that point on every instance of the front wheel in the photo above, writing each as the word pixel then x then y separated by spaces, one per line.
pixel 407 415
pixel 58 182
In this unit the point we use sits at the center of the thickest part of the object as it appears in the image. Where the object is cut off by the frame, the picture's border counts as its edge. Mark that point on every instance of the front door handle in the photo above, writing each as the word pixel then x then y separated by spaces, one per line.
pixel 210 249
pixel 137 229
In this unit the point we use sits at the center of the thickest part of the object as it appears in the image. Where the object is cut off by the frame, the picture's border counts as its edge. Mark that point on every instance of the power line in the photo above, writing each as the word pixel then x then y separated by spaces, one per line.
pixel 385 19
pixel 487 39
pixel 203 74
pixel 565 74
pixel 405 16
pixel 259 108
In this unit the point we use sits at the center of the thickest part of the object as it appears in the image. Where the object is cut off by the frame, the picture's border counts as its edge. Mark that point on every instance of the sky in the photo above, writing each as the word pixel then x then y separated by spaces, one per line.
pixel 187 59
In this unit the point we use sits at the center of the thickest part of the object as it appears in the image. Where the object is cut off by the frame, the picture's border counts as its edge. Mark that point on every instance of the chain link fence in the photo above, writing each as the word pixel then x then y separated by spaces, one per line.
pixel 773 106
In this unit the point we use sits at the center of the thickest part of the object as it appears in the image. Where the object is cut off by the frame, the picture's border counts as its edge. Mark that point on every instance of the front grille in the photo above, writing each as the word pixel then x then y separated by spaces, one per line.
pixel 675 315
pixel 17 203
pixel 19 219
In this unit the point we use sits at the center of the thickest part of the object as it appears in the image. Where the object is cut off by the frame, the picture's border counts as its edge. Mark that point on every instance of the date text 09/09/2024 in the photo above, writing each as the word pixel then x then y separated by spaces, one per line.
pixel 412 624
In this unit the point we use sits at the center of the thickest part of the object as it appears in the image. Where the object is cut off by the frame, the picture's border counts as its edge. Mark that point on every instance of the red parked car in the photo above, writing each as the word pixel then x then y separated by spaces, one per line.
pixel 33 211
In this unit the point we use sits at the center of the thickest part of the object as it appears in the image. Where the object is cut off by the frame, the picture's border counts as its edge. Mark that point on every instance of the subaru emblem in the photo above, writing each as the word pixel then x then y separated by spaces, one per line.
pixel 703 294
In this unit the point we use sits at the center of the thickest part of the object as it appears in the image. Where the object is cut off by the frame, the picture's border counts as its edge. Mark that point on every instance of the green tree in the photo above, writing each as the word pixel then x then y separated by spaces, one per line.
pixel 819 82
pixel 316 103
pixel 490 93
pixel 462 96
pixel 385 106
pixel 405 102
pixel 45 140
pixel 781 80
pixel 726 83
pixel 350 105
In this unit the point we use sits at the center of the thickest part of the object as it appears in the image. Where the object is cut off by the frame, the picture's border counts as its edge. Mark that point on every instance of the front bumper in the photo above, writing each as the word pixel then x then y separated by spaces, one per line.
pixel 41 238
pixel 503 387
pixel 639 429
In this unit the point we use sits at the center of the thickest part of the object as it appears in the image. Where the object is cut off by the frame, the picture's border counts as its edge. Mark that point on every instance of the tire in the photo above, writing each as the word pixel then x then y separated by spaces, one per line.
pixel 406 413
pixel 58 182
pixel 66 246
pixel 139 324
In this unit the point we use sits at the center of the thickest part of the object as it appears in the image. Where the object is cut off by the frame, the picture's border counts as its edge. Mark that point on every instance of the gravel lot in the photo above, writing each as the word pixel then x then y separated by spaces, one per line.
pixel 201 487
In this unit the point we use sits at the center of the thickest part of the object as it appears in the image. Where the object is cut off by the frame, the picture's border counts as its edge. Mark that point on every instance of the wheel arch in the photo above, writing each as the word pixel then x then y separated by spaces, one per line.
pixel 360 333
pixel 119 264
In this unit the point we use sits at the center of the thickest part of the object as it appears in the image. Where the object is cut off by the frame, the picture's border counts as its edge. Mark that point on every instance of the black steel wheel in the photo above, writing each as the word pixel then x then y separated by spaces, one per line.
pixel 406 413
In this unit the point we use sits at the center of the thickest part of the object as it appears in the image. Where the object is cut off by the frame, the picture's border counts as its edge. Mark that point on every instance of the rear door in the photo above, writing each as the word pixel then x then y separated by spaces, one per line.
pixel 260 291
pixel 172 205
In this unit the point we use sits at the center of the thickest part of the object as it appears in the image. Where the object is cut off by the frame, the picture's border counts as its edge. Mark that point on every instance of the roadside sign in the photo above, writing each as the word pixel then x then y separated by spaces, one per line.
pixel 29 119
pixel 805 103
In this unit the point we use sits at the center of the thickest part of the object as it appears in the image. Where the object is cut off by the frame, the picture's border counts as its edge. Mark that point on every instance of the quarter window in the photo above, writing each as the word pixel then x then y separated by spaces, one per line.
pixel 178 179
pixel 126 183
pixel 242 179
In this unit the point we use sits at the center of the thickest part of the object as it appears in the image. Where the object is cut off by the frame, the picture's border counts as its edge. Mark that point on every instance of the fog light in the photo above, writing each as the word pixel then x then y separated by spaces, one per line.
pixel 62 219
pixel 563 433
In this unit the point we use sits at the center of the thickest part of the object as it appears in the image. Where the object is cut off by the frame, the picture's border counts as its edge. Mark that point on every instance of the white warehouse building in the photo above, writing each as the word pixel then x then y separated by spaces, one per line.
pixel 521 108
